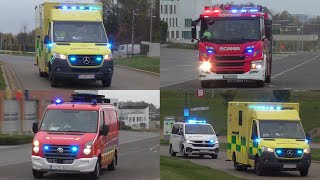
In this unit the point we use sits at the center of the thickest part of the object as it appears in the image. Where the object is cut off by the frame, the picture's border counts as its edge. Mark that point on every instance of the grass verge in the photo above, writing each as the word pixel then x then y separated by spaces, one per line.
pixel 315 154
pixel 163 142
pixel 15 139
pixel 176 169
pixel 2 82
pixel 140 62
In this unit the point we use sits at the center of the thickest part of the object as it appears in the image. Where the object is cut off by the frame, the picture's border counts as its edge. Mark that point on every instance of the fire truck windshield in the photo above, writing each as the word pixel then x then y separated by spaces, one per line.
pixel 222 31
pixel 70 121
pixel 85 32
pixel 281 129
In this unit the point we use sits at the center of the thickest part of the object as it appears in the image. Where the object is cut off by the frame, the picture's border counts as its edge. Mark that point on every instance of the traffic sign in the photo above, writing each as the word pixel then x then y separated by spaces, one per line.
pixel 200 93
pixel 186 112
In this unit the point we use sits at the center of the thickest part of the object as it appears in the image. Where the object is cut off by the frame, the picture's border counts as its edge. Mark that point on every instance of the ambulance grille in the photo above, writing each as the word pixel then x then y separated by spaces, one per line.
pixel 85 60
pixel 66 157
pixel 288 153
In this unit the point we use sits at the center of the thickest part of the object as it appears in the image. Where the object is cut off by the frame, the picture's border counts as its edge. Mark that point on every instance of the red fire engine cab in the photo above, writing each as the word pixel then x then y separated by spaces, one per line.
pixel 235 45
pixel 80 136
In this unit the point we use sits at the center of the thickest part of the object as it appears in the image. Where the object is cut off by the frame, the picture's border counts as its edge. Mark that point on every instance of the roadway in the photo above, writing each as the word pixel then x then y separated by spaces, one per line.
pixel 28 77
pixel 296 71
pixel 138 159
pixel 227 166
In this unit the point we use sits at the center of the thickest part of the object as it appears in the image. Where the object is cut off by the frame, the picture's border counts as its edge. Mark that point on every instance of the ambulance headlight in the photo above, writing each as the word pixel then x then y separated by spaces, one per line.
pixel 107 57
pixel 266 149
pixel 307 150
pixel 205 66
pixel 256 65
pixel 59 56
pixel 188 141
pixel 87 148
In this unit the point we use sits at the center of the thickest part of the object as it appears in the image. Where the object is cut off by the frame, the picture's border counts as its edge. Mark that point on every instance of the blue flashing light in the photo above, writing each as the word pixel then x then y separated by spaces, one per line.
pixel 94 102
pixel 72 58
pixel 254 10
pixel 257 140
pixel 46 147
pixel 250 50
pixel 234 10
pixel 50 45
pixel 81 7
pixel 265 107
pixel 307 141
pixel 74 148
pixel 109 45
pixel 211 141
pixel 99 58
pixel 58 101
pixel 210 51
pixel 299 152
pixel 279 151
pixel 91 8
pixel 65 7
pixel 278 108
pixel 73 7
pixel 192 121
pixel 243 10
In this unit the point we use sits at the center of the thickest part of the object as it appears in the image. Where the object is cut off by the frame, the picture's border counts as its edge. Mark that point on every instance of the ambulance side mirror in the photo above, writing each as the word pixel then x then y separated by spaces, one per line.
pixel 180 133
pixel 35 127
pixel 46 39
pixel 308 137
pixel 105 130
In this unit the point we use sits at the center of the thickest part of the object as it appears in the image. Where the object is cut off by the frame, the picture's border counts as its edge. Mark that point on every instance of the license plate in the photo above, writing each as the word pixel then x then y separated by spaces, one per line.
pixel 230 77
pixel 289 166
pixel 59 167
pixel 204 151
pixel 87 76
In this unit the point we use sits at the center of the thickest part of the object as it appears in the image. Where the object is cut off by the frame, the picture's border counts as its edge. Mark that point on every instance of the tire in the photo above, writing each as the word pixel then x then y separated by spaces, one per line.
pixel 268 79
pixel 113 164
pixel 171 152
pixel 42 74
pixel 97 170
pixel 53 79
pixel 184 155
pixel 201 156
pixel 304 172
pixel 37 174
pixel 257 167
pixel 214 156
pixel 107 83
pixel 260 84
pixel 236 165
pixel 205 84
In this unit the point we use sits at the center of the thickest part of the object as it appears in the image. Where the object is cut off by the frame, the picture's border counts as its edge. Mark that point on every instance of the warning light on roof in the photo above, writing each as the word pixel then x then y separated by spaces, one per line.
pixel 192 121
pixel 58 101
pixel 265 107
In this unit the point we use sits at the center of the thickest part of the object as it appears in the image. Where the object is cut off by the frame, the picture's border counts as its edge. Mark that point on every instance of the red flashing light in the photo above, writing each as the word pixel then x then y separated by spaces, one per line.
pixel 216 11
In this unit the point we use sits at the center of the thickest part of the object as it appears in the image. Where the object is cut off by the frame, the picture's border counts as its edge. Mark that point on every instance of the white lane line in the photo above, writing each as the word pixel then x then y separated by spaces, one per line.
pixel 294 67
pixel 139 139
pixel 179 82
pixel 154 147
pixel 8 164
pixel 184 65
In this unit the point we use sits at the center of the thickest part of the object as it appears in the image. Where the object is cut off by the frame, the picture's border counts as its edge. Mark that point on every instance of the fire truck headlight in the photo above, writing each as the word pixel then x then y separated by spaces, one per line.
pixel 36 143
pixel 36 149
pixel 59 56
pixel 107 57
pixel 87 148
pixel 307 150
pixel 205 66
pixel 256 65
pixel 266 149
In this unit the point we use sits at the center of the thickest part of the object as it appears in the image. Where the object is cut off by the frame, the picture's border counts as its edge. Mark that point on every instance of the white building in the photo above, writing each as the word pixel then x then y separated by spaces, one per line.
pixel 137 117
pixel 179 15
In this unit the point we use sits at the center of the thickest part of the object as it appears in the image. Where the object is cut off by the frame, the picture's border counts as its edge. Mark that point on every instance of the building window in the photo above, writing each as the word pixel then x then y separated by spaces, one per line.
pixel 165 9
pixel 177 34
pixel 186 35
pixel 172 22
pixel 176 22
pixel 161 9
pixel 188 22
pixel 172 34
pixel 133 119
pixel 174 9
pixel 170 9
pixel 167 20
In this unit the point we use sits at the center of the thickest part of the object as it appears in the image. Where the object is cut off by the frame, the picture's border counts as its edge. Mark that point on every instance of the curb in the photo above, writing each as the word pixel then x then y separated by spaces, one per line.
pixel 135 69
pixel 11 79
pixel 5 76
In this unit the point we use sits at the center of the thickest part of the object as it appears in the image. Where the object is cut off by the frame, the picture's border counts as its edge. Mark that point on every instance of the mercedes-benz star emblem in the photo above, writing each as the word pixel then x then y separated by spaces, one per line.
pixel 289 152
pixel 60 150
pixel 203 142
pixel 86 60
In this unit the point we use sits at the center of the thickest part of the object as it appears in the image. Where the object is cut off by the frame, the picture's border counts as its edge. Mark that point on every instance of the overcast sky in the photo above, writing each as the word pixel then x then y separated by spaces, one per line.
pixel 15 13
pixel 149 96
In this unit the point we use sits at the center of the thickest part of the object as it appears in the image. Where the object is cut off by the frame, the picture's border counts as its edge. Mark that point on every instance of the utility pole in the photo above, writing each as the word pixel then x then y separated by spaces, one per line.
pixel 302 36
pixel 151 16
pixel 132 30
pixel 0 41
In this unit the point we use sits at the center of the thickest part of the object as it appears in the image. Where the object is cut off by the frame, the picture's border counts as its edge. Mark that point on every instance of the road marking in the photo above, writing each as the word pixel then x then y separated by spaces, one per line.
pixel 294 67
pixel 154 147
pixel 8 164
pixel 272 86
pixel 140 139
pixel 179 82
pixel 185 65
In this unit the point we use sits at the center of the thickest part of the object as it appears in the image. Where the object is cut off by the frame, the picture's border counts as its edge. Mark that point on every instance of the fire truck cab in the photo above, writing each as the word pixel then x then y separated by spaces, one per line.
pixel 235 45
pixel 80 136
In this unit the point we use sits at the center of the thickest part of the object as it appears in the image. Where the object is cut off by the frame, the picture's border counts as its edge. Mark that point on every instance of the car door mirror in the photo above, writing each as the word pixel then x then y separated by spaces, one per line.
pixel 35 127
pixel 308 137
pixel 105 130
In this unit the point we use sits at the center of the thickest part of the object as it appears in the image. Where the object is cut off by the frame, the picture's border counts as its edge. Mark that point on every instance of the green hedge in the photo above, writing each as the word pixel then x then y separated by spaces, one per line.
pixel 15 139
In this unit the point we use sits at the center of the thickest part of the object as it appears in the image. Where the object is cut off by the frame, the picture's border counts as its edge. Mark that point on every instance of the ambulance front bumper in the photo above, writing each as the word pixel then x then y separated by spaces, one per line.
pixel 194 149
pixel 83 165
pixel 270 161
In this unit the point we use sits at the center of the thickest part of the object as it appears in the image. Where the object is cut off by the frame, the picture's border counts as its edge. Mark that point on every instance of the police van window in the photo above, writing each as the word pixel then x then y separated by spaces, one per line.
pixel 240 118
pixel 254 130
pixel 175 129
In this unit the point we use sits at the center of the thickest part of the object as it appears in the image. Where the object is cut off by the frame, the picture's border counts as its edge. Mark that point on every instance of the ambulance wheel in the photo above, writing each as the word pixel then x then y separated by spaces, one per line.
pixel 37 174
pixel 236 165
pixel 107 83
pixel 184 154
pixel 97 170
pixel 171 151
pixel 214 156
pixel 53 79
pixel 260 84
pixel 41 73
pixel 304 172
pixel 201 156
pixel 113 164
pixel 205 84
pixel 257 167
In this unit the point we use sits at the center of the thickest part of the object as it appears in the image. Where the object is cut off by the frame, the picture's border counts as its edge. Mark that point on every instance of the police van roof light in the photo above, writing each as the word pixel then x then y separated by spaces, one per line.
pixel 192 121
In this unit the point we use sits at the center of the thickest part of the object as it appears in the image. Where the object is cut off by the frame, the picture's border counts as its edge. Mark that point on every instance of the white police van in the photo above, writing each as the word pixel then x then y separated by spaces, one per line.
pixel 194 137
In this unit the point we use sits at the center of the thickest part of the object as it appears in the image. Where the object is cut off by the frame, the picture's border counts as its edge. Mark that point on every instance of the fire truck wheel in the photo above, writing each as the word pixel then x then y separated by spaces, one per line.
pixel 171 151
pixel 113 164
pixel 96 173
pixel 205 84
pixel 214 156
pixel 260 84
pixel 257 167
pixel 304 172
pixel 107 83
pixel 37 174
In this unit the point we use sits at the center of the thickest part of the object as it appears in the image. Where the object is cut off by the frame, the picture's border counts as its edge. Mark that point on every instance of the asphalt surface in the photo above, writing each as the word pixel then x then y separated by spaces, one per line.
pixel 297 71
pixel 125 79
pixel 138 159
pixel 227 166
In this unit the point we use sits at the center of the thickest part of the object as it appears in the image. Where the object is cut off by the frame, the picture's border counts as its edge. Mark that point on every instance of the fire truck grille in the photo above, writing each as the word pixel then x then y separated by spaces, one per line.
pixel 54 154
pixel 231 58
pixel 220 64
pixel 229 72
pixel 85 60
pixel 289 153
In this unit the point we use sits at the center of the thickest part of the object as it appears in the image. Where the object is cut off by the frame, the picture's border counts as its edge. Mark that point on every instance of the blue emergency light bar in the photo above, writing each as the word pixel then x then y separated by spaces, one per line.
pixel 192 121
pixel 266 108
pixel 58 101
pixel 209 9
pixel 77 8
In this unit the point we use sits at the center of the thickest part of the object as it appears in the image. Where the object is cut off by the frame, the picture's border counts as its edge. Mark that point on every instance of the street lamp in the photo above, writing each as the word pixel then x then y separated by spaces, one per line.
pixel 132 29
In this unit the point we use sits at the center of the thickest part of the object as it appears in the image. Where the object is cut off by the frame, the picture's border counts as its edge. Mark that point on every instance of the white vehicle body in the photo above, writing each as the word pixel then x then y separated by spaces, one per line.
pixel 122 49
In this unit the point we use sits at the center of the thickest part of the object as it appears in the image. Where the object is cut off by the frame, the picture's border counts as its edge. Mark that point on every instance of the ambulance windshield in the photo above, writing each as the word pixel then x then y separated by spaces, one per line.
pixel 70 121
pixel 281 129
pixel 199 129
pixel 235 31
pixel 85 32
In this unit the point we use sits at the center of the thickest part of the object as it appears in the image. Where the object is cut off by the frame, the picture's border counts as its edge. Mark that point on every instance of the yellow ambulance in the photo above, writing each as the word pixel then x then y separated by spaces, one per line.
pixel 267 136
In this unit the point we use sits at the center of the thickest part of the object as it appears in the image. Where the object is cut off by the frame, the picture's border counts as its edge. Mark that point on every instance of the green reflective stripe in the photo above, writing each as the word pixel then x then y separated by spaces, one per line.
pixel 250 150
pixel 233 141
pixel 238 148
pixel 244 142
pixel 229 146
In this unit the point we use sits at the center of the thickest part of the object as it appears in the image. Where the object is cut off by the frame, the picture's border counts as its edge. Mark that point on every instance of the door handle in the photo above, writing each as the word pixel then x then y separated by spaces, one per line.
pixel 235 132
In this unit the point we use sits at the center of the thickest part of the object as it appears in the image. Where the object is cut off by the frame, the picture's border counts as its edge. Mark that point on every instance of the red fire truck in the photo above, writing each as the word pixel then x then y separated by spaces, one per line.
pixel 235 45
pixel 80 136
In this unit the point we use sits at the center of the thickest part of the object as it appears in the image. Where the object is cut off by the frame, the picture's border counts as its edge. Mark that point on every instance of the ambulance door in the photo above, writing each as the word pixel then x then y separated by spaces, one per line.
pixel 253 142
pixel 241 140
